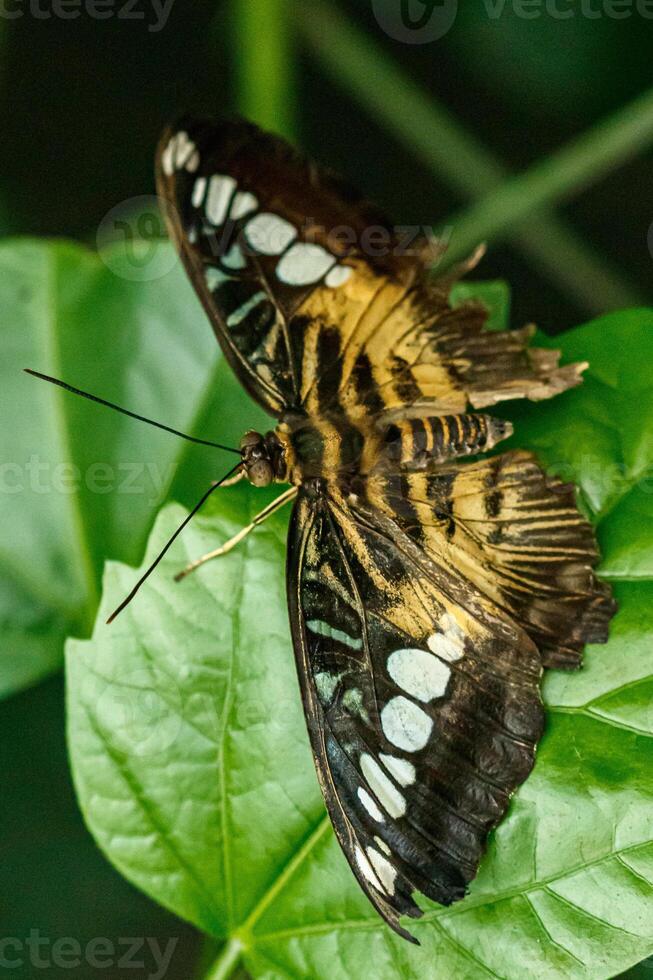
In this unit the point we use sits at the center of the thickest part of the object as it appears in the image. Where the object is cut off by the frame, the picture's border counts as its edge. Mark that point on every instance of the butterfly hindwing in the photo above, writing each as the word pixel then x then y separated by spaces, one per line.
pixel 422 701
pixel 515 533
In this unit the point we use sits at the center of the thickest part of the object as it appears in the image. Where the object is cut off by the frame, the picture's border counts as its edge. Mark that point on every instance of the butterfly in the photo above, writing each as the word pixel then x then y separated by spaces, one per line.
pixel 426 590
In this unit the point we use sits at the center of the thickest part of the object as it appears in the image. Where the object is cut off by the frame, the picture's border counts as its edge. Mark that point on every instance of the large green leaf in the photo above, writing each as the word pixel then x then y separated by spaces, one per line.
pixel 80 482
pixel 193 770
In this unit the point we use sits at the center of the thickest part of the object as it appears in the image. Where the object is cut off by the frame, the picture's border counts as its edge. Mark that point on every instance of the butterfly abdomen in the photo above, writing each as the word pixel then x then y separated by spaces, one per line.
pixel 416 443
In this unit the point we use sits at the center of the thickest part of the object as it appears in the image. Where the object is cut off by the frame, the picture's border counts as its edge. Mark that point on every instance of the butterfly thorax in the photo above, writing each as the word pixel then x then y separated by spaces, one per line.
pixel 328 447
pixel 303 449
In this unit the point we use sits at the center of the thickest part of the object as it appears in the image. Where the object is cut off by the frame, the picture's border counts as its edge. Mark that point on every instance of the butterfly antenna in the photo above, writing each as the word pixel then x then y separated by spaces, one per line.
pixel 214 486
pixel 125 411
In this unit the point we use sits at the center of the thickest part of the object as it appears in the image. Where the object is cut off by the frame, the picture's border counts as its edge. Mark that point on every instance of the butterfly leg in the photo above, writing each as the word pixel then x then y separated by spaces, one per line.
pixel 237 538
pixel 233 480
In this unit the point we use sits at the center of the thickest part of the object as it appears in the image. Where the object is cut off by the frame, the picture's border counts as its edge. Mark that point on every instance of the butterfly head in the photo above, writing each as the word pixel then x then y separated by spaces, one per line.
pixel 262 458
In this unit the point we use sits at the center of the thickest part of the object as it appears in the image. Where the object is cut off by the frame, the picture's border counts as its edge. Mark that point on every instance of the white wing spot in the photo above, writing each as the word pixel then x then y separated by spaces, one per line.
pixel 220 190
pixel 405 724
pixel 325 684
pixel 446 647
pixel 269 234
pixel 239 315
pixel 199 189
pixel 242 204
pixel 370 805
pixel 213 277
pixel 366 869
pixel 385 791
pixel 180 152
pixel 234 259
pixel 183 149
pixel 352 700
pixel 386 873
pixel 324 629
pixel 167 163
pixel 382 844
pixel 401 769
pixel 419 673
pixel 451 627
pixel 304 263
pixel 338 275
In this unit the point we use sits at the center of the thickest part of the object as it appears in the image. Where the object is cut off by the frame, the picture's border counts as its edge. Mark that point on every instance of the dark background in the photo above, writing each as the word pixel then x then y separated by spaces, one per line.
pixel 82 103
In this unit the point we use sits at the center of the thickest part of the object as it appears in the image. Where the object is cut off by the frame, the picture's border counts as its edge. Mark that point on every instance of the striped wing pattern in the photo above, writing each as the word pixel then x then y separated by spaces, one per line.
pixel 257 227
pixel 307 317
pixel 422 701
pixel 426 592
pixel 392 345
pixel 517 535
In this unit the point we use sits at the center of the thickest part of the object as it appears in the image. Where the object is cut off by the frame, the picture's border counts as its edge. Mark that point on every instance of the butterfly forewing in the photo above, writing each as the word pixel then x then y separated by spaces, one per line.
pixel 260 229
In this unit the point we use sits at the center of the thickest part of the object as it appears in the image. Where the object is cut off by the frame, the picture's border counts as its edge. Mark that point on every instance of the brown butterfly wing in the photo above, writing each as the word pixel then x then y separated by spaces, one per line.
pixel 260 228
pixel 317 303
pixel 424 595
pixel 422 701
pixel 517 535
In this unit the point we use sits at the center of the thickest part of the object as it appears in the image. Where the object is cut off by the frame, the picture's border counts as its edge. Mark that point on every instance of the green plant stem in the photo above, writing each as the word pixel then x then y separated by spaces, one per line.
pixel 224 965
pixel 263 56
pixel 574 167
pixel 230 953
pixel 354 61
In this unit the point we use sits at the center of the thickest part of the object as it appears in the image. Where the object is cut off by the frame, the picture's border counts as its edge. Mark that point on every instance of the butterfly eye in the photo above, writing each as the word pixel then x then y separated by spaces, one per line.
pixel 260 473
pixel 250 440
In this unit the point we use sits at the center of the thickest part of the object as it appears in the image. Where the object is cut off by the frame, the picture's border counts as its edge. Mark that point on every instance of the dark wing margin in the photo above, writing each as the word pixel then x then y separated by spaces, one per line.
pixel 257 224
pixel 422 702
pixel 317 300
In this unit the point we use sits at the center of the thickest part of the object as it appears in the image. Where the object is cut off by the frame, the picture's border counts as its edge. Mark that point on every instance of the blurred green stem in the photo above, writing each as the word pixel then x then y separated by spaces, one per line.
pixel 354 61
pixel 224 965
pixel 591 156
pixel 264 59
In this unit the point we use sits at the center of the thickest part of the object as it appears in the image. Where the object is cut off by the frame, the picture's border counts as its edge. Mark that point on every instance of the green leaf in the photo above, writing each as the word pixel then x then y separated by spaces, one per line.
pixel 80 482
pixel 192 765
pixel 493 294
